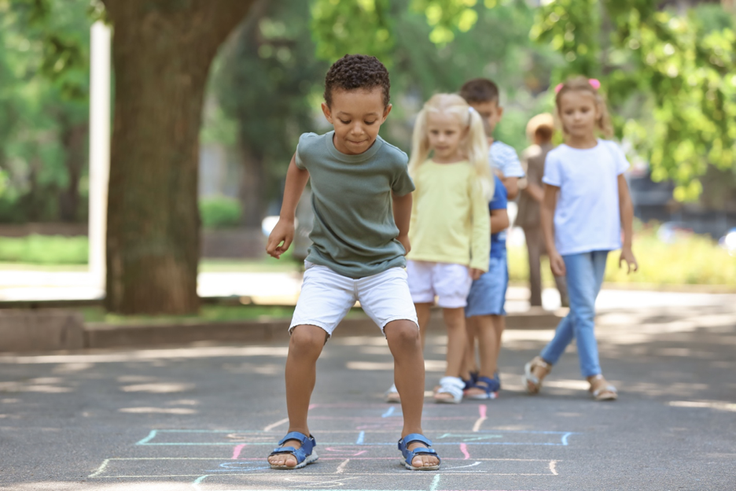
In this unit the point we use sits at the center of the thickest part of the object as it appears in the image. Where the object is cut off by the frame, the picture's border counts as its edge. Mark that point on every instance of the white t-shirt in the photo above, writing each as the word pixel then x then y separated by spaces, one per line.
pixel 587 216
pixel 504 158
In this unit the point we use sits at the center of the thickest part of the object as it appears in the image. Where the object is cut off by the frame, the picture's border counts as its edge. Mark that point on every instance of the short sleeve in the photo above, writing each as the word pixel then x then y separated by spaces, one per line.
pixel 505 159
pixel 302 150
pixel 622 163
pixel 552 174
pixel 500 196
pixel 401 184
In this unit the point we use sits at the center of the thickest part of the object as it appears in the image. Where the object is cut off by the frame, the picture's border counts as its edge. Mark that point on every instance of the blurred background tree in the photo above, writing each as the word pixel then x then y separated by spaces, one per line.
pixel 44 76
pixel 666 67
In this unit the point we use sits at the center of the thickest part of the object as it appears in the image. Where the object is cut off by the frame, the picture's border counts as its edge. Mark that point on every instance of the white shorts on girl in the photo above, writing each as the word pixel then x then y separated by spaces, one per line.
pixel 450 283
pixel 326 298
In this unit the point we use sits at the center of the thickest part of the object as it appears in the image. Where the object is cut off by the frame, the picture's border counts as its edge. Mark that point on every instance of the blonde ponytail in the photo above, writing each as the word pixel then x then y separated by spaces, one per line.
pixel 474 145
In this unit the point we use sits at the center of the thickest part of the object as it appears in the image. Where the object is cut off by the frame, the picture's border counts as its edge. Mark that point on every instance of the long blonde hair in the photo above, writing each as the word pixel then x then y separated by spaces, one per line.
pixel 582 84
pixel 474 144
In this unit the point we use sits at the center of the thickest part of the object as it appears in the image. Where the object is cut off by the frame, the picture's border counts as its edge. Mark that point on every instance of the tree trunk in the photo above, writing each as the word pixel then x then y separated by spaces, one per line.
pixel 252 187
pixel 162 51
pixel 73 138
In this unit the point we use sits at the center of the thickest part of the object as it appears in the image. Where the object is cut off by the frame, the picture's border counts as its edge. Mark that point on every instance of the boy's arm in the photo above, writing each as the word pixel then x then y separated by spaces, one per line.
pixel 499 220
pixel 283 233
pixel 480 248
pixel 626 209
pixel 512 187
pixel 402 216
pixel 547 213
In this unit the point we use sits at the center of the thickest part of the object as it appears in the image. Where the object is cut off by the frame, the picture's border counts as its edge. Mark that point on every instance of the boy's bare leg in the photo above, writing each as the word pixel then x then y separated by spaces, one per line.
pixel 305 346
pixel 406 347
pixel 499 324
pixel 469 361
pixel 424 312
pixel 456 343
pixel 489 342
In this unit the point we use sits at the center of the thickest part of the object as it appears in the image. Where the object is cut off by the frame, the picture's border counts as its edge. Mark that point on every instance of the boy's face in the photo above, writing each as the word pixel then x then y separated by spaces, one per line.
pixel 357 115
pixel 490 112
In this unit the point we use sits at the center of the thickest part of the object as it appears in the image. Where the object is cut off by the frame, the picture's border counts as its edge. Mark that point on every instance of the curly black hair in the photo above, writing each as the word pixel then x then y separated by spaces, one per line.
pixel 479 90
pixel 357 72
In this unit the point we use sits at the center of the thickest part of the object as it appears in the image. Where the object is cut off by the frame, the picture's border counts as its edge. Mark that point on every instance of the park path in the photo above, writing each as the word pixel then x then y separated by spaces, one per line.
pixel 203 417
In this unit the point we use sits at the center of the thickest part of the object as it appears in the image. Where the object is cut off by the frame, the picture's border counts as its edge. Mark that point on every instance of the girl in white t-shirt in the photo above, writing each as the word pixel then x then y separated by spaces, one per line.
pixel 586 203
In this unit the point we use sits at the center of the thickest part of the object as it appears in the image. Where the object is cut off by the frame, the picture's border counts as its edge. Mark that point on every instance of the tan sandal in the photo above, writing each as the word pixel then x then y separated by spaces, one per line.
pixel 602 390
pixel 533 383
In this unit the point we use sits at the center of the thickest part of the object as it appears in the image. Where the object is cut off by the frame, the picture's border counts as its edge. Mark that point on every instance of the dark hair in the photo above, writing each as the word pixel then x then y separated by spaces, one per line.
pixel 479 90
pixel 544 132
pixel 353 72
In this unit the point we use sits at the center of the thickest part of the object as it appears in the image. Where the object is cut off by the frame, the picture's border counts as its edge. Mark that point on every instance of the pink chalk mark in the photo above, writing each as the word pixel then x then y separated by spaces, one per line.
pixel 312 406
pixel 482 410
pixel 464 450
pixel 237 450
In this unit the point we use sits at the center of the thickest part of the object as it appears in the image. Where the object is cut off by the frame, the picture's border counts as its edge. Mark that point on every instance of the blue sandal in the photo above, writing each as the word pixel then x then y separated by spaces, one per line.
pixel 304 455
pixel 410 454
pixel 491 387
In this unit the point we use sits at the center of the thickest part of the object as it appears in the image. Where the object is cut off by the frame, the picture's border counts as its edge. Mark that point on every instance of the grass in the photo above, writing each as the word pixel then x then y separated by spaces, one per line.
pixel 207 313
pixel 690 260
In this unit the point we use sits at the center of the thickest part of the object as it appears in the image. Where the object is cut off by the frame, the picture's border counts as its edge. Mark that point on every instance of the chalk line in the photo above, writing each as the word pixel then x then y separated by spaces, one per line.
pixel 435 483
pixel 482 411
pixel 464 450
pixel 147 439
pixel 553 467
pixel 237 450
pixel 277 423
pixel 389 412
pixel 199 480
pixel 341 467
pixel 361 438
pixel 99 470
pixel 565 437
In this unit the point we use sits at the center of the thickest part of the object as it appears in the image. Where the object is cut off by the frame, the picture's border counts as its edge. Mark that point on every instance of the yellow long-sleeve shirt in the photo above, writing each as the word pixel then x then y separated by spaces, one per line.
pixel 450 221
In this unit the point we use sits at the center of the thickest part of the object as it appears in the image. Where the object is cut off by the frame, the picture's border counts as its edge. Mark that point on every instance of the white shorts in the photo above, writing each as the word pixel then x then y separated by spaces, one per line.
pixel 450 283
pixel 326 298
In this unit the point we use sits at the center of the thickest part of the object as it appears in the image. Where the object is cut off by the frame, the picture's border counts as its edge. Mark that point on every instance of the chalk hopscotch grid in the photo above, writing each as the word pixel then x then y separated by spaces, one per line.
pixel 476 435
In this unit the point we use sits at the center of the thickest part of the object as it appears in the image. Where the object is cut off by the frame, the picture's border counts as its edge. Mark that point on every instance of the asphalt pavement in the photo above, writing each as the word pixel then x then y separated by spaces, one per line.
pixel 203 417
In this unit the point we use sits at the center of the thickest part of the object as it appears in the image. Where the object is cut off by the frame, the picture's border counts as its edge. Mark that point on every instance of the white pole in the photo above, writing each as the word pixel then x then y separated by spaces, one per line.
pixel 99 149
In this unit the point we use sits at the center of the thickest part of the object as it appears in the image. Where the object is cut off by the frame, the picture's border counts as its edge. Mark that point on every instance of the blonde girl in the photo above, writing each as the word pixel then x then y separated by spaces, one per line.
pixel 586 203
pixel 450 225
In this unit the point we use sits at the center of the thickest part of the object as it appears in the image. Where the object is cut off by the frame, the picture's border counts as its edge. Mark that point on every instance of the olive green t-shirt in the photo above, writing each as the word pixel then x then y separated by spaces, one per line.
pixel 354 232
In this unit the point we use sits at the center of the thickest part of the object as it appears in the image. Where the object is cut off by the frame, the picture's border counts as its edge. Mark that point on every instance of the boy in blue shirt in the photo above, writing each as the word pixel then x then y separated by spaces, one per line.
pixel 485 310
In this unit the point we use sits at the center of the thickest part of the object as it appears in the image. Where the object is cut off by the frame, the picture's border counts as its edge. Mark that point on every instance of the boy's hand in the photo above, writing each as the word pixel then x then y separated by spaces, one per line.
pixel 280 239
pixel 628 255
pixel 476 273
pixel 557 264
pixel 404 239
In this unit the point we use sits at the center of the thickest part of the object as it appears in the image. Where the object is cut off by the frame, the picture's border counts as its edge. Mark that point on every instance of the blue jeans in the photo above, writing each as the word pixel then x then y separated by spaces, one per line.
pixel 584 277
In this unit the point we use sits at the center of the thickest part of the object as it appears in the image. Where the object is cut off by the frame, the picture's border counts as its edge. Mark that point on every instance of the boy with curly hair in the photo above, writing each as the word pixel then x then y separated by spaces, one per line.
pixel 361 196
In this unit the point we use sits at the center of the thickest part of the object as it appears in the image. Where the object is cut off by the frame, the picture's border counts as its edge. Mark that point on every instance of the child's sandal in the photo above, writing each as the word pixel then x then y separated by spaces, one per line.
pixel 410 454
pixel 454 387
pixel 533 383
pixel 490 389
pixel 392 395
pixel 602 390
pixel 304 455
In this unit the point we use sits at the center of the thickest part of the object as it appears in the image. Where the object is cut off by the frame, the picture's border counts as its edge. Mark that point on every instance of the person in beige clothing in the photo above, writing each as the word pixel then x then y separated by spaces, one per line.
pixel 540 130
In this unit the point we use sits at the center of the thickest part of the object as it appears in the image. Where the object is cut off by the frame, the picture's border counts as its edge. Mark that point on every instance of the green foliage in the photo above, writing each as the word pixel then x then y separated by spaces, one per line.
pixel 44 249
pixel 220 212
pixel 691 260
pixel 43 86
pixel 364 26
pixel 669 78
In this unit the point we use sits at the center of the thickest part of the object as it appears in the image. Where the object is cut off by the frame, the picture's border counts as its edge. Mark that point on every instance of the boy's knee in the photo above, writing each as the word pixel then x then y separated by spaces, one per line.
pixel 307 340
pixel 402 332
